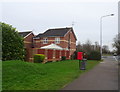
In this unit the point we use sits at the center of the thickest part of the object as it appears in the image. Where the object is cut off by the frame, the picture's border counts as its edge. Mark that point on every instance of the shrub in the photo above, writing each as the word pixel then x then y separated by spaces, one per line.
pixel 63 58
pixel 39 58
pixel 12 43
pixel 94 55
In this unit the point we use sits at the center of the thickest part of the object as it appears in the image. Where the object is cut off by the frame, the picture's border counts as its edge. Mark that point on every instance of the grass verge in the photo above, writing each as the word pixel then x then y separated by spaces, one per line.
pixel 19 75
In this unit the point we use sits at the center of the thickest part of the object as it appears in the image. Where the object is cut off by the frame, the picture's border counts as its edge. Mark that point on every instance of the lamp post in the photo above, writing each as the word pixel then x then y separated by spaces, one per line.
pixel 101 32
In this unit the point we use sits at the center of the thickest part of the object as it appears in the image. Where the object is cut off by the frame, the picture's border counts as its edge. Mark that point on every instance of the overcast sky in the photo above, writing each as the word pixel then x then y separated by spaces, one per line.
pixel 42 15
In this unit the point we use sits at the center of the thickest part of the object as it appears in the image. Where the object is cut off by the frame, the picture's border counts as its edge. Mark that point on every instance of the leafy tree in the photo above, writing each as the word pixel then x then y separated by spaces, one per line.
pixel 12 43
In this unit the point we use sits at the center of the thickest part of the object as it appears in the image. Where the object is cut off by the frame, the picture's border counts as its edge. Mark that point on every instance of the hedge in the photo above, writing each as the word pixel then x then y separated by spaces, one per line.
pixel 63 58
pixel 94 55
pixel 39 58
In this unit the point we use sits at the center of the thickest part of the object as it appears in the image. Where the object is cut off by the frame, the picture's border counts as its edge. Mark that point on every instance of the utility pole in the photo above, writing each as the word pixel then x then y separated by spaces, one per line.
pixel 101 31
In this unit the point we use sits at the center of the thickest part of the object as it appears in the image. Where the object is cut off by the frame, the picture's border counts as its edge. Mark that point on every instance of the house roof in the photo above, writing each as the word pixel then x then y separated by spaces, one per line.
pixel 25 34
pixel 61 32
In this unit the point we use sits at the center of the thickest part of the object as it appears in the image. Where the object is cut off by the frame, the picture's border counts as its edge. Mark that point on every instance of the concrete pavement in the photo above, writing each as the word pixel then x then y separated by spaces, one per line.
pixel 104 76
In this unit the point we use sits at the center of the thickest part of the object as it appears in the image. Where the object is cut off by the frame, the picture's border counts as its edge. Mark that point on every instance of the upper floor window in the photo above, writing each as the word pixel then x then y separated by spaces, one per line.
pixel 57 40
pixel 45 41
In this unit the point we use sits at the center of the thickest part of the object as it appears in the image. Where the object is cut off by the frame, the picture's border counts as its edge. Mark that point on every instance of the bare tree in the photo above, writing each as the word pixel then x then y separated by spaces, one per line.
pixel 97 46
pixel 105 49
pixel 88 47
pixel 79 46
pixel 116 44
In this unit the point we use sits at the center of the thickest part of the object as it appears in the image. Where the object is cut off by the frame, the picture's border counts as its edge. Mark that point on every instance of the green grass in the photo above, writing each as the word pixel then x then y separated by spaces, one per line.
pixel 19 75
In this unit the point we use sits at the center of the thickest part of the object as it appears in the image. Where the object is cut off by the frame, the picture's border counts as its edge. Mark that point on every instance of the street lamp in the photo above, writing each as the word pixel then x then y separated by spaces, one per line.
pixel 101 32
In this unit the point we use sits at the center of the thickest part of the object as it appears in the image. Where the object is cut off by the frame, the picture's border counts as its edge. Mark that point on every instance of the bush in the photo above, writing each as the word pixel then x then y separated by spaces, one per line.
pixel 12 43
pixel 39 58
pixel 94 55
pixel 72 57
pixel 63 58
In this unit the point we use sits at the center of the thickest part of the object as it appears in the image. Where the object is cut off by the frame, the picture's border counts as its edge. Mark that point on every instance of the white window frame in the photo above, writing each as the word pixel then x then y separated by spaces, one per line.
pixel 57 40
pixel 45 41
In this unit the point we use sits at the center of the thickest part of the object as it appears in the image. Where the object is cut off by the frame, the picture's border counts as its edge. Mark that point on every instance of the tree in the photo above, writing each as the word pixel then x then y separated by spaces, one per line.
pixel 79 46
pixel 105 49
pixel 92 51
pixel 116 44
pixel 87 47
pixel 97 46
pixel 12 43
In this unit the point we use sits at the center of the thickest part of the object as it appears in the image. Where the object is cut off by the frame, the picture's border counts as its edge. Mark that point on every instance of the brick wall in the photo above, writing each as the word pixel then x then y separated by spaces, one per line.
pixel 28 41
pixel 69 38
pixel 52 55
pixel 28 47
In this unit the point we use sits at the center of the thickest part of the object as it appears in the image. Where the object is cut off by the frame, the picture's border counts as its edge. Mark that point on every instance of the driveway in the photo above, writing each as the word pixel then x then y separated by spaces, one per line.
pixel 104 76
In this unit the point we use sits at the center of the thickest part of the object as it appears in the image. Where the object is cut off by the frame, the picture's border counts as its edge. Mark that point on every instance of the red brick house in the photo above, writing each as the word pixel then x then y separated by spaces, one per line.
pixel 28 42
pixel 62 37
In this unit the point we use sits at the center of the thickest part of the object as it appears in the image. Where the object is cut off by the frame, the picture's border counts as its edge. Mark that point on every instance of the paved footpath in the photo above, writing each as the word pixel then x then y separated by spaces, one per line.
pixel 104 76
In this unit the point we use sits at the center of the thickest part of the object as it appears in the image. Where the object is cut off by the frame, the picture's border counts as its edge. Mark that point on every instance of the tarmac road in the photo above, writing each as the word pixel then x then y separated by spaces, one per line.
pixel 104 76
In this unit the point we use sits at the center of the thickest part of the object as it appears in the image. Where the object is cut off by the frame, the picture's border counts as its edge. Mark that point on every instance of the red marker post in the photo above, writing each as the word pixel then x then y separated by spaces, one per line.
pixel 80 57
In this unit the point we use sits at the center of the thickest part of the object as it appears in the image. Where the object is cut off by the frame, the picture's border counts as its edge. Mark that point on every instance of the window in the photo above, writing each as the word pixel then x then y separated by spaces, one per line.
pixel 45 41
pixel 57 40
